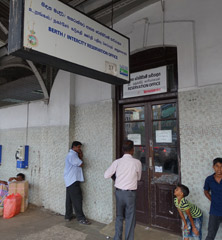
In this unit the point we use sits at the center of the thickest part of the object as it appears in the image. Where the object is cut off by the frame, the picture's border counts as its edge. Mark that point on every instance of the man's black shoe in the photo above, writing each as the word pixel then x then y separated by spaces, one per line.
pixel 85 222
pixel 69 219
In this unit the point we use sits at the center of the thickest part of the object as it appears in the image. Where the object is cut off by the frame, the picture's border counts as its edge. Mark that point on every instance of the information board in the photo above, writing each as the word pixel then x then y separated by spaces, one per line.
pixel 151 81
pixel 53 32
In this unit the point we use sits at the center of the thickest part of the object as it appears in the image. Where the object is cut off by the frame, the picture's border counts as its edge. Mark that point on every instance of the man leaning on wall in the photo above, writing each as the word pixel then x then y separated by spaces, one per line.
pixel 73 175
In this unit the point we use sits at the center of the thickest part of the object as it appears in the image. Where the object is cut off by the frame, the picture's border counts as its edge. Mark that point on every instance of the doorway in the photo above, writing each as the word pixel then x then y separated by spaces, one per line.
pixel 153 128
pixel 151 121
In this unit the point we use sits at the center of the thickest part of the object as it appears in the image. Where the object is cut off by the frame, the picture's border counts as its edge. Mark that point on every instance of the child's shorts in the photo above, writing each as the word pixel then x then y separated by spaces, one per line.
pixel 198 224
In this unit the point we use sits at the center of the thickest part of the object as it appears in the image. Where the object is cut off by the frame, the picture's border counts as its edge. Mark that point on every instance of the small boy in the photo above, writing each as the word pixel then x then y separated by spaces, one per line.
pixel 193 222
pixel 213 191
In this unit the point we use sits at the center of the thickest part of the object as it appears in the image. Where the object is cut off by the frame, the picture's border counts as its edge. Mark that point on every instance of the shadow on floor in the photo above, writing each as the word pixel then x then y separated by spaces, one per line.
pixel 39 224
pixel 142 233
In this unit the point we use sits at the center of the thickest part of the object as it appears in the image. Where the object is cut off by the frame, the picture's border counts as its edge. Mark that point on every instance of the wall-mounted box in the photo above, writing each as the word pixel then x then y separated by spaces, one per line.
pixel 22 156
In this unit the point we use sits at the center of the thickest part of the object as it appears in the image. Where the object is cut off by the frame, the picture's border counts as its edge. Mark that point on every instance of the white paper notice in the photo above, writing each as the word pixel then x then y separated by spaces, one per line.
pixel 136 138
pixel 158 169
pixel 136 116
pixel 163 136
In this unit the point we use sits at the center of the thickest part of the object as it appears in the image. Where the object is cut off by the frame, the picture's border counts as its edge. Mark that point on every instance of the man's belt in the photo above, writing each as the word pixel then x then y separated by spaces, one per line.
pixel 118 189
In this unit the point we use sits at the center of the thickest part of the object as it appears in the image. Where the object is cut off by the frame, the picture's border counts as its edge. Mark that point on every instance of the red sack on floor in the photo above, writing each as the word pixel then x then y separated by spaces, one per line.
pixel 12 205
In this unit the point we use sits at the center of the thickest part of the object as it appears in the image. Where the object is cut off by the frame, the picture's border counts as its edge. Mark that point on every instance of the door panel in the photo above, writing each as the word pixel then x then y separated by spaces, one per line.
pixel 142 203
pixel 142 195
pixel 164 213
pixel 134 129
pixel 164 172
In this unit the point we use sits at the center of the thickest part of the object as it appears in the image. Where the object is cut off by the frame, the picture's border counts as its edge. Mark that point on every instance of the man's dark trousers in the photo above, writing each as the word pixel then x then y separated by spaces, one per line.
pixel 213 226
pixel 74 200
pixel 125 208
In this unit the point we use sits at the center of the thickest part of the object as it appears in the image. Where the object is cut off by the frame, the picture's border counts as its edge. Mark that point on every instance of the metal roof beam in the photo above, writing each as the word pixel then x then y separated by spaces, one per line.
pixel 39 78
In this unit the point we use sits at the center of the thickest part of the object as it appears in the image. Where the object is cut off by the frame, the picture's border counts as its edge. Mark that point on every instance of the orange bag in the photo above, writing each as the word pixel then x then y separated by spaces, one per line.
pixel 12 205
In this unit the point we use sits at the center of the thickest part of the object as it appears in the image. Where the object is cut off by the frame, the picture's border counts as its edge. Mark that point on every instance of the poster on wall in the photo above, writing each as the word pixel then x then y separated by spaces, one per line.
pixel 152 81
pixel 53 33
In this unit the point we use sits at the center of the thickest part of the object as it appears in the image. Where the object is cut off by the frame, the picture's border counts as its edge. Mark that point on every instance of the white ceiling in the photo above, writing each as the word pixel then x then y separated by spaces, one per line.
pixel 18 83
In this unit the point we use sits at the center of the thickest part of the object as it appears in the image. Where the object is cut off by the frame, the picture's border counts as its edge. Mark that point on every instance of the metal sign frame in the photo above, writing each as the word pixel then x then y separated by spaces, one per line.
pixel 16 47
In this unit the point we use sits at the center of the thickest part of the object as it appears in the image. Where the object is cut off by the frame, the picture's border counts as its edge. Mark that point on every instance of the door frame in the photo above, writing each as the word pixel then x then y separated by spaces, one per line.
pixel 144 60
pixel 148 133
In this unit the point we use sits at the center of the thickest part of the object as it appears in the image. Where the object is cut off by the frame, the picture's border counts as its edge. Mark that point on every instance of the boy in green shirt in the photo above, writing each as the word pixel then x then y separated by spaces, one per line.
pixel 194 219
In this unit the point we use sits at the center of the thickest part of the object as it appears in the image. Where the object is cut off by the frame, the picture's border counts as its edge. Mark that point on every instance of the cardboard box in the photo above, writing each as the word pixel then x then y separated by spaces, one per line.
pixel 24 204
pixel 1 211
pixel 21 187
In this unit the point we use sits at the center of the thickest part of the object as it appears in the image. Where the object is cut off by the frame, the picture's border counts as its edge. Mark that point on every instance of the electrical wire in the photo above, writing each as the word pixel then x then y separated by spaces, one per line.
pixel 112 15
pixel 163 20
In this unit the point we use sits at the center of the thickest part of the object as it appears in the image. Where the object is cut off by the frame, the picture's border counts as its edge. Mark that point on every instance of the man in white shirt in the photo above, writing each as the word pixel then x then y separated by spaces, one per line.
pixel 73 175
pixel 128 172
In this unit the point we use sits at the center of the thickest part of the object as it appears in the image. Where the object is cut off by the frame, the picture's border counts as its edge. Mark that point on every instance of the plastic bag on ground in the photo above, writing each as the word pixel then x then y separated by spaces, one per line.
pixel 12 205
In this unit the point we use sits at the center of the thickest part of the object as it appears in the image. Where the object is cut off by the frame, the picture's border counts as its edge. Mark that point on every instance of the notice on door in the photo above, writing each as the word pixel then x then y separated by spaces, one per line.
pixel 136 138
pixel 136 116
pixel 159 169
pixel 163 136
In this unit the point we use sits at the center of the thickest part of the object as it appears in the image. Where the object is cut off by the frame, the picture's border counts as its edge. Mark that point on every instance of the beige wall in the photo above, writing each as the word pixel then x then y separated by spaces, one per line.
pixel 200 113
pixel 94 126
pixel 47 148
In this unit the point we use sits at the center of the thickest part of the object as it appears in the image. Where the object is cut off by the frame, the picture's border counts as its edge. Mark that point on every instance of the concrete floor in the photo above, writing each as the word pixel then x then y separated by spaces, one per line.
pixel 40 224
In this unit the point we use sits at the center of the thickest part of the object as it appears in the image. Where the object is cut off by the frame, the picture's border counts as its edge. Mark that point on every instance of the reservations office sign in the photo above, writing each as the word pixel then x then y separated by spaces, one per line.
pixel 53 33
pixel 152 81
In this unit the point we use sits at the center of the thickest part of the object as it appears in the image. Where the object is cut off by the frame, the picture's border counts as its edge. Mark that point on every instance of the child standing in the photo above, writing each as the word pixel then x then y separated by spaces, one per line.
pixel 213 191
pixel 194 219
